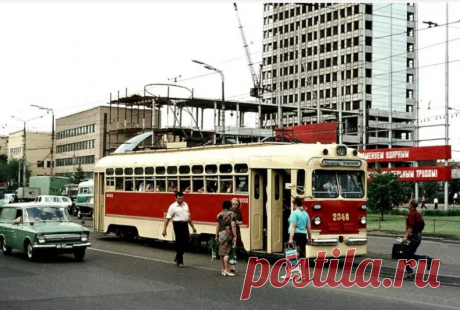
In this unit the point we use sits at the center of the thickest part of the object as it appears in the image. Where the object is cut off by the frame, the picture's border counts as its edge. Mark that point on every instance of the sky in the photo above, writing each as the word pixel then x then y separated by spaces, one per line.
pixel 71 56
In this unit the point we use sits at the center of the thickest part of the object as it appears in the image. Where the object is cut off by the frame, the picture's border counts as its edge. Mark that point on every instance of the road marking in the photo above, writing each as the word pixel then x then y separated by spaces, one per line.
pixel 151 259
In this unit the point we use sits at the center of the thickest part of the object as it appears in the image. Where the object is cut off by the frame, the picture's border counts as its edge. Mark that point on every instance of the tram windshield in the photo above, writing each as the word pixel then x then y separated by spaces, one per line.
pixel 331 184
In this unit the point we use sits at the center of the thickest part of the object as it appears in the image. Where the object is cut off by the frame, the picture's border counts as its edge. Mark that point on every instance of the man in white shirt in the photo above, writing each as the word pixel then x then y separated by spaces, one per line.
pixel 179 214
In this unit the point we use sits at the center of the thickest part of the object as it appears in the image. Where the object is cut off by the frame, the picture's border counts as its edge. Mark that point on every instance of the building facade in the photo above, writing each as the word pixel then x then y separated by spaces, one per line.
pixel 347 62
pixel 38 151
pixel 3 145
pixel 83 138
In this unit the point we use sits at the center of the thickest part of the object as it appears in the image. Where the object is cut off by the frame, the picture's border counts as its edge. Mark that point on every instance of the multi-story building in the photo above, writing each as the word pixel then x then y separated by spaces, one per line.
pixel 348 62
pixel 38 151
pixel 3 145
pixel 82 140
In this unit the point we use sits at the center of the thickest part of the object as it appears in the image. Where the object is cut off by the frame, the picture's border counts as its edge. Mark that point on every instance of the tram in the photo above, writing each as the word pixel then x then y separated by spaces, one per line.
pixel 132 192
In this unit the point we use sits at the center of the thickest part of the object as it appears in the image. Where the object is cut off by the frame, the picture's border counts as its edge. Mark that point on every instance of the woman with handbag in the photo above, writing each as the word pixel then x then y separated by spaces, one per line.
pixel 226 235
pixel 299 227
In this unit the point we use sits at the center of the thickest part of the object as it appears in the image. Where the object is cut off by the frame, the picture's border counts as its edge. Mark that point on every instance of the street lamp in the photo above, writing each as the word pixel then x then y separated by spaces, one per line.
pixel 24 147
pixel 48 110
pixel 223 96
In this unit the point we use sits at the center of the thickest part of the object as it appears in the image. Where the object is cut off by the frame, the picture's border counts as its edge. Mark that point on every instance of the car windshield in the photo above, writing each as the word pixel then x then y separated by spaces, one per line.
pixel 42 214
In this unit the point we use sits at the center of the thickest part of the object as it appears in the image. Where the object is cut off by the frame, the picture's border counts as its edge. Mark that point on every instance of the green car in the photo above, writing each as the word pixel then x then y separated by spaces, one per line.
pixel 35 228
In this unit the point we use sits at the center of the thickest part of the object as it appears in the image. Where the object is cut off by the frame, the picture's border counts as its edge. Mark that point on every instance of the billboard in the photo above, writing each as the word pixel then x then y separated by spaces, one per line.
pixel 408 154
pixel 310 133
pixel 416 174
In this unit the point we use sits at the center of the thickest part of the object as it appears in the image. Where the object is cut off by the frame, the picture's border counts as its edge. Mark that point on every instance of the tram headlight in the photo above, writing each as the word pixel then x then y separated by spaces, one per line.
pixel 363 207
pixel 363 220
pixel 317 220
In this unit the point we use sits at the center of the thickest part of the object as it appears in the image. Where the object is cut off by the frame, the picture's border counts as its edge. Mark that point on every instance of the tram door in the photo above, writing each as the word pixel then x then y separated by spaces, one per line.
pixel 257 209
pixel 99 202
pixel 275 190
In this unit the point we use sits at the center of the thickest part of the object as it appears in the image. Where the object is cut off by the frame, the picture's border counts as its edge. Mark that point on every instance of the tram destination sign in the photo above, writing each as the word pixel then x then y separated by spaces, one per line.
pixel 341 163
pixel 431 173
pixel 408 154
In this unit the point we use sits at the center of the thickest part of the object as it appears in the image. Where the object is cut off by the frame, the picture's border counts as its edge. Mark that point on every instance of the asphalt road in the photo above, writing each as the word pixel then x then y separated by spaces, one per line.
pixel 117 274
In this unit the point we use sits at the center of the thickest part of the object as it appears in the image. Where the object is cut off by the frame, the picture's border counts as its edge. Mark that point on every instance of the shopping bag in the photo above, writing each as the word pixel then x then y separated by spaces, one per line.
pixel 213 245
pixel 233 259
pixel 290 250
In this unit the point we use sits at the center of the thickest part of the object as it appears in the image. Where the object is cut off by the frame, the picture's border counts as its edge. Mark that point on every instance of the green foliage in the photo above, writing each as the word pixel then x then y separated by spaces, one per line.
pixel 9 170
pixel 3 158
pixel 430 189
pixel 384 191
pixel 450 212
pixel 78 176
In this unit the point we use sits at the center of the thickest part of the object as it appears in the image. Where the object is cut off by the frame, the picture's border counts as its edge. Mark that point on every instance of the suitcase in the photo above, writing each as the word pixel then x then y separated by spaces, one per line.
pixel 399 250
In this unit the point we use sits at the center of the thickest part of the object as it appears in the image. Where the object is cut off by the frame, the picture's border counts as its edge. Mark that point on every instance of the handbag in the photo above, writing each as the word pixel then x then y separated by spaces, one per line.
pixel 290 251
pixel 233 258
pixel 400 250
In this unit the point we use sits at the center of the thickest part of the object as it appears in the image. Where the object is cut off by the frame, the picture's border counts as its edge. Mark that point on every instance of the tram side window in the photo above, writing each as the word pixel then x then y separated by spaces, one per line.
pixel 226 185
pixel 300 182
pixel 242 184
pixel 129 184
pixel 172 187
pixel 212 184
pixel 110 182
pixel 118 184
pixel 149 184
pixel 198 185
pixel 161 185
pixel 184 185
pixel 139 185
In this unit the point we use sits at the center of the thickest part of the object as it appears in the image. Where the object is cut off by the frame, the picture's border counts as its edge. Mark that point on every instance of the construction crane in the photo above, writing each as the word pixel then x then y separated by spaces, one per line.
pixel 257 90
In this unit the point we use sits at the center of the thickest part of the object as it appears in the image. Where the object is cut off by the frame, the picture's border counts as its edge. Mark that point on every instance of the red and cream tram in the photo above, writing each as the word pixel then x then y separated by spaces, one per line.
pixel 132 192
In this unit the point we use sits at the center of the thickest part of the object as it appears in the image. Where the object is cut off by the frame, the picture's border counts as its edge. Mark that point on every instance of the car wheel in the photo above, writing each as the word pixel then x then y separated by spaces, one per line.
pixel 31 253
pixel 6 249
pixel 79 254
pixel 74 210
pixel 79 214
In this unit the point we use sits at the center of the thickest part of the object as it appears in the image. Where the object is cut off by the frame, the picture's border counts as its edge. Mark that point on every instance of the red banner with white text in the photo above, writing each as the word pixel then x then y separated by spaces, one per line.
pixel 412 174
pixel 408 154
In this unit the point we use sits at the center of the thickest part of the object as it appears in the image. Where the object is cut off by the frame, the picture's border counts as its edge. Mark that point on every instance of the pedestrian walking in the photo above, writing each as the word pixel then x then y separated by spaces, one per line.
pixel 414 228
pixel 179 214
pixel 435 200
pixel 239 221
pixel 423 203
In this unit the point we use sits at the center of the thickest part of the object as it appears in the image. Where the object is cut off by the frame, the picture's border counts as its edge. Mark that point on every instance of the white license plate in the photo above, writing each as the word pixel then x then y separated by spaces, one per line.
pixel 64 246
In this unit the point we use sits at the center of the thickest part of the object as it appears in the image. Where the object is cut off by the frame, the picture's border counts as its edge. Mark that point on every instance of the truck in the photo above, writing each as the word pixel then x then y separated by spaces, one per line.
pixel 27 193
pixel 49 185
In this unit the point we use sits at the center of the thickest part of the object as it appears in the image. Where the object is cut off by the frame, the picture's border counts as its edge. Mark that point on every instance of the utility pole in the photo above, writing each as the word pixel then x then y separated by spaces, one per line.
pixel 24 148
pixel 446 183
pixel 52 132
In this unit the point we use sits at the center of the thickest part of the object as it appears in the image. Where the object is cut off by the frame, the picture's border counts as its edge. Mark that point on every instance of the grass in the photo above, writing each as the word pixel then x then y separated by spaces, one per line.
pixel 437 226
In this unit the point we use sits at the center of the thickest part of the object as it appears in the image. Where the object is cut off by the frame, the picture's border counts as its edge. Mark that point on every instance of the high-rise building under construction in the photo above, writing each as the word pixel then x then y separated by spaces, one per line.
pixel 355 63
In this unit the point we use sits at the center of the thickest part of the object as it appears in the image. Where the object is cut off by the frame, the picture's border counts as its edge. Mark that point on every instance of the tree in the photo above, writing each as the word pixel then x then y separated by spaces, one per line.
pixel 78 176
pixel 9 170
pixel 385 191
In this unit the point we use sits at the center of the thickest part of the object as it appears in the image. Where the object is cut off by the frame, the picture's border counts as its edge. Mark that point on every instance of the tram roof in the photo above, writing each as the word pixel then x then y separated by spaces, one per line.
pixel 255 154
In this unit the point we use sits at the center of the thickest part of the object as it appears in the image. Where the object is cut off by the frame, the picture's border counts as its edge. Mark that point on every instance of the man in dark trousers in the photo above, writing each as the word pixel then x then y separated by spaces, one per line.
pixel 179 214
pixel 414 227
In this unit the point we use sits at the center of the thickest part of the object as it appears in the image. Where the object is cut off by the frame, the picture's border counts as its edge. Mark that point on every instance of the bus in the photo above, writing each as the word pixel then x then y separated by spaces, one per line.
pixel 70 190
pixel 84 195
pixel 134 190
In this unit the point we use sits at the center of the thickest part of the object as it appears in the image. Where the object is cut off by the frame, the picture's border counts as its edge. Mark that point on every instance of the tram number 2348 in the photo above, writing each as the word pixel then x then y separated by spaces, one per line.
pixel 340 216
